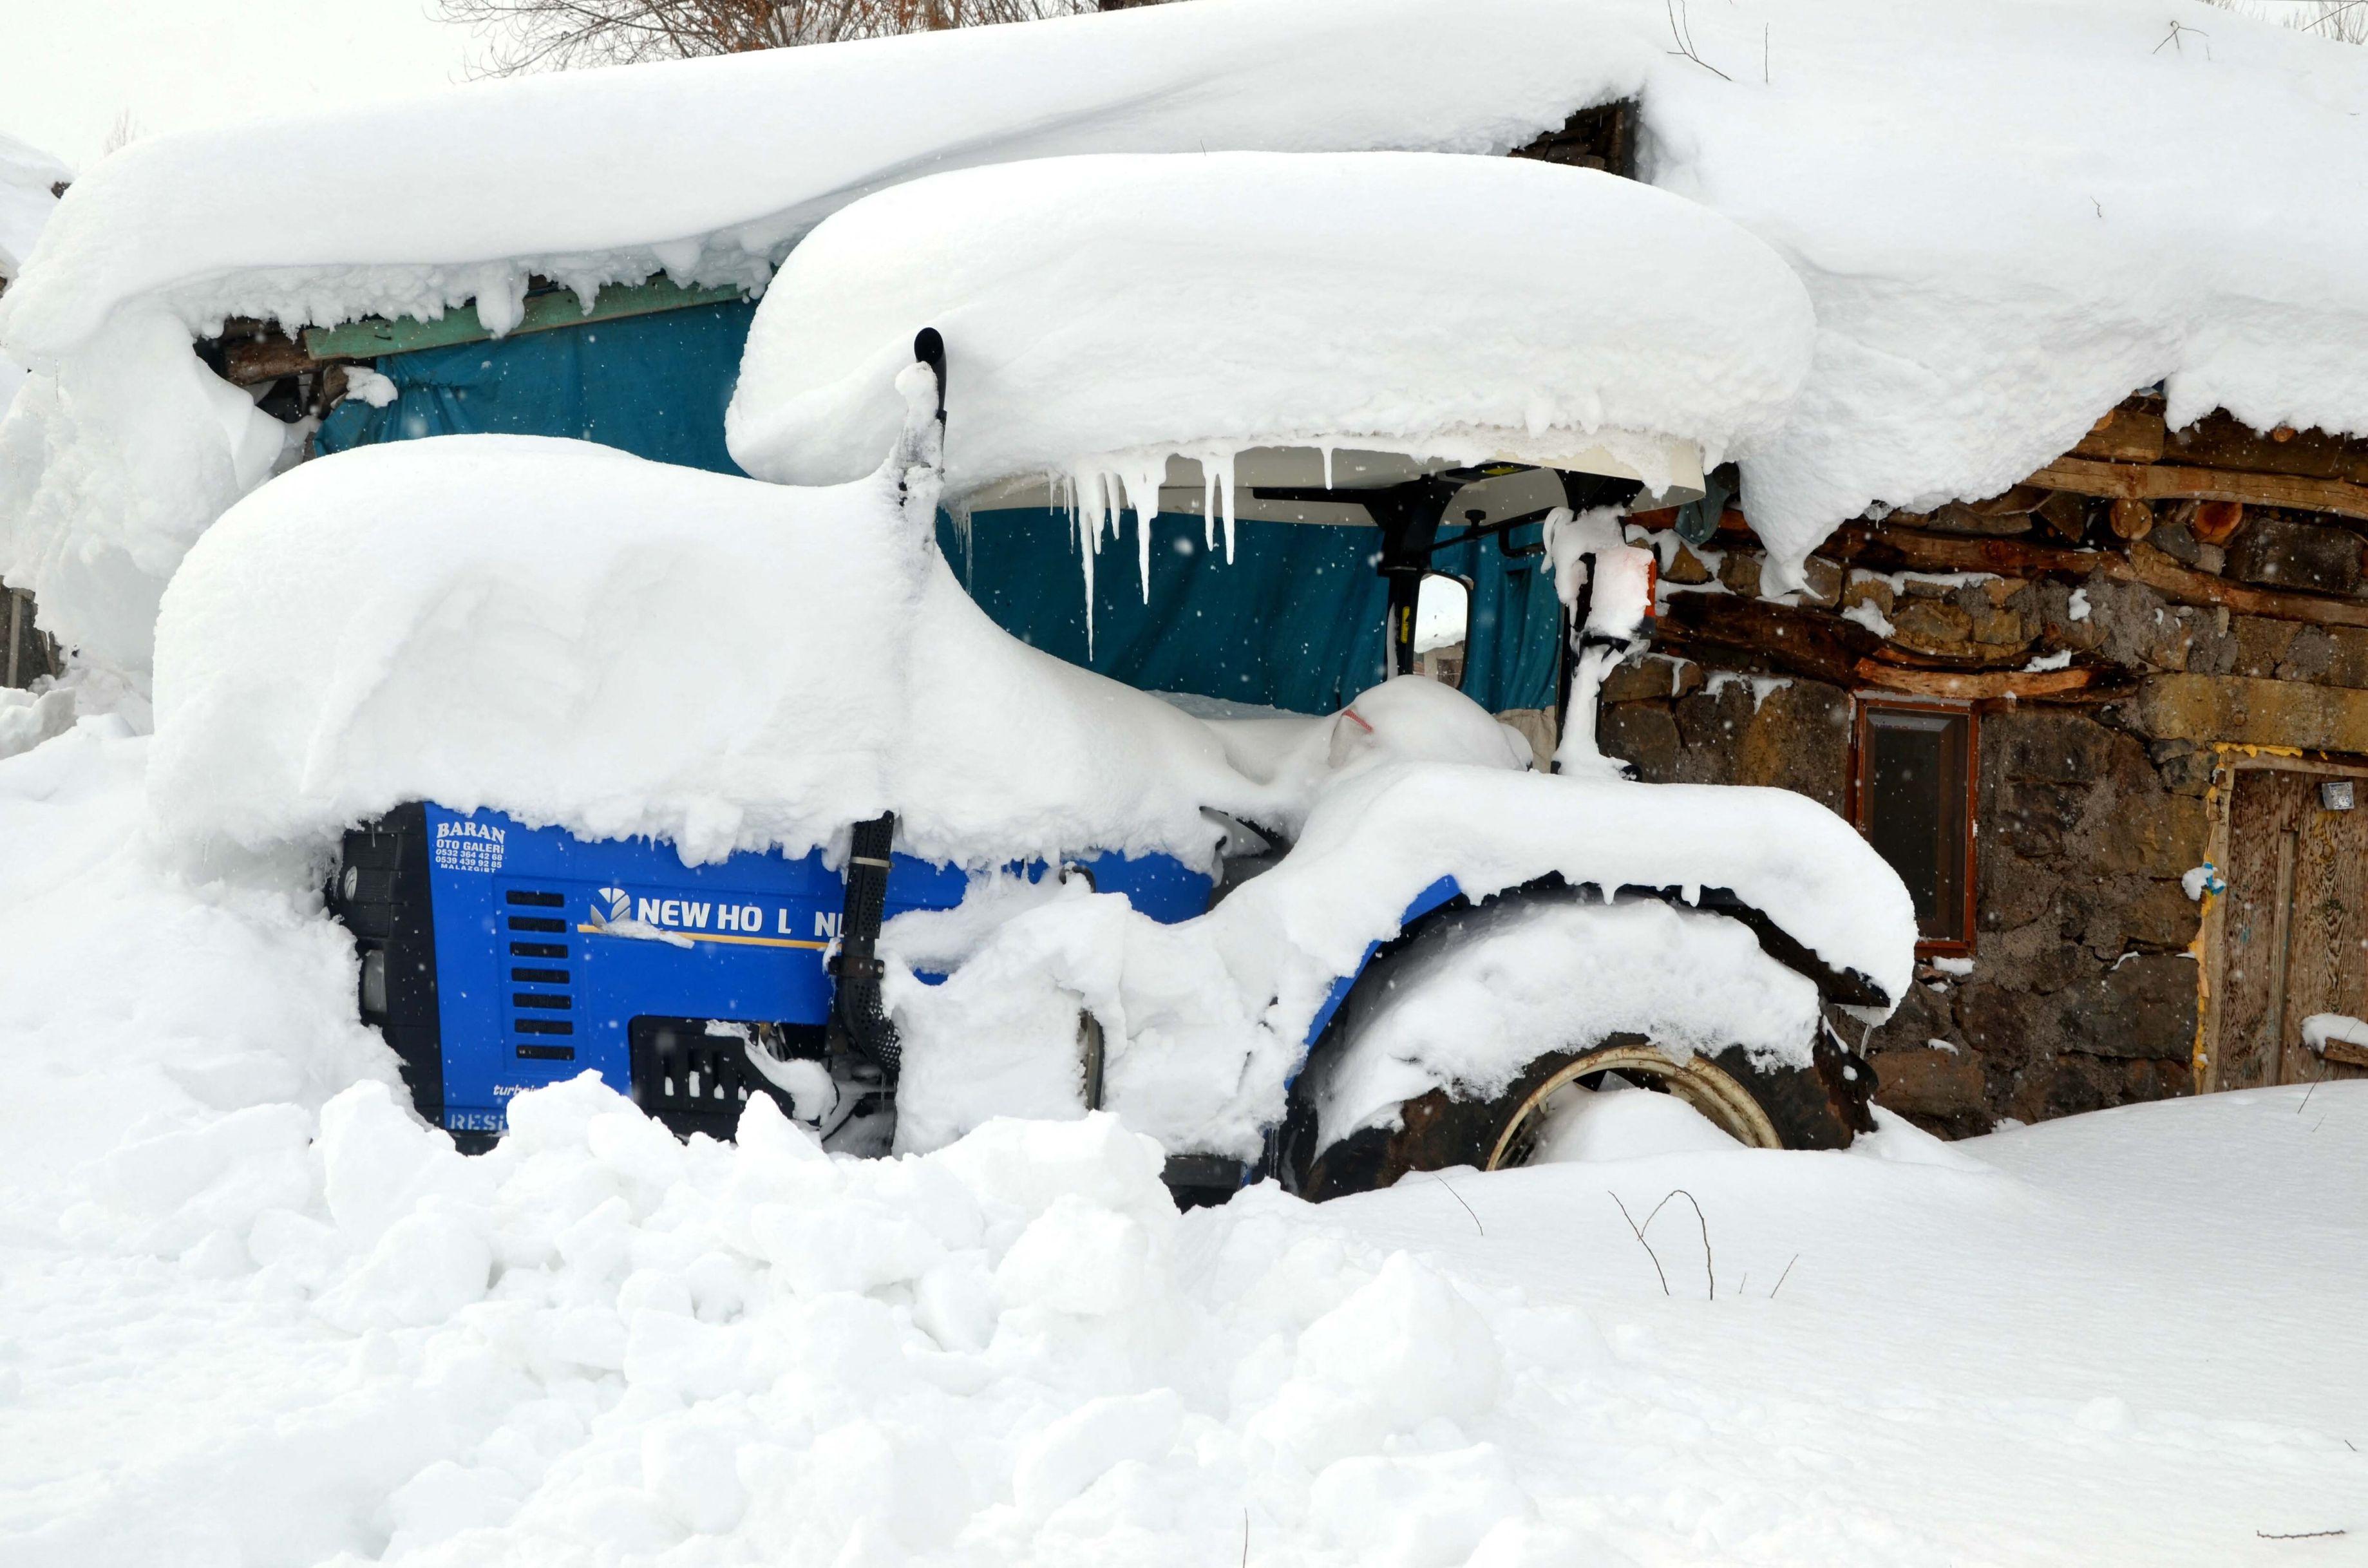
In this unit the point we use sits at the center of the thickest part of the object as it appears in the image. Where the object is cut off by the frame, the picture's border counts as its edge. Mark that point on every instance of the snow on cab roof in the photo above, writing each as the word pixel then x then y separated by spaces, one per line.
pixel 2008 214
pixel 1103 313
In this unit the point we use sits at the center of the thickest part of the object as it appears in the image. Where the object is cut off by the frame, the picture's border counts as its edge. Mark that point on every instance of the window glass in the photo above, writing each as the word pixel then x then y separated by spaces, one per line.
pixel 1913 797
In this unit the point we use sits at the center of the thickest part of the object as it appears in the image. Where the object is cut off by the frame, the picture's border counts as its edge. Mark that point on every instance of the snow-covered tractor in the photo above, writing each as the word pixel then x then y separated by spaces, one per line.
pixel 726 788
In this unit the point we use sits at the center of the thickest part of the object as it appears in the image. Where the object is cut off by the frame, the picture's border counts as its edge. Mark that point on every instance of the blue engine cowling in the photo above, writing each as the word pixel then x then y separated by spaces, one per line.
pixel 499 958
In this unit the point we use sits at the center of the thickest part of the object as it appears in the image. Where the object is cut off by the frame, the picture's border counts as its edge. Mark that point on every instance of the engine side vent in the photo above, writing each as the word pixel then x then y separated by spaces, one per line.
pixel 539 1000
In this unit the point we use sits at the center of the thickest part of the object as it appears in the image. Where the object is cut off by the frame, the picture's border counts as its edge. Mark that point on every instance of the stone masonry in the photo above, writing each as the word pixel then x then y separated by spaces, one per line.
pixel 2082 993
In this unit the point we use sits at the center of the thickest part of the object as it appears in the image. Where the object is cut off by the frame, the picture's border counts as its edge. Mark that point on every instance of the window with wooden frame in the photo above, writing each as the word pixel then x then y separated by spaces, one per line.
pixel 1912 796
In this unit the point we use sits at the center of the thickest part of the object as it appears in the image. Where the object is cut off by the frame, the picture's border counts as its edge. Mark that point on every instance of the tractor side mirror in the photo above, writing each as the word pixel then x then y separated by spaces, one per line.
pixel 1442 616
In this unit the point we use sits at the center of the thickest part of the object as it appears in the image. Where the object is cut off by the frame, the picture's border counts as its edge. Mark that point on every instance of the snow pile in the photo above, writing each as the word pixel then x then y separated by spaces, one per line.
pixel 1517 980
pixel 1986 280
pixel 251 1312
pixel 1102 313
pixel 2320 1029
pixel 578 636
pixel 28 180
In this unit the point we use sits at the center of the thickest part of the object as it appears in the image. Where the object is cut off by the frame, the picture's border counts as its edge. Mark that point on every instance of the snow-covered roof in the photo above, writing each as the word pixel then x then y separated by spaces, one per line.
pixel 1103 313
pixel 710 168
pixel 2007 213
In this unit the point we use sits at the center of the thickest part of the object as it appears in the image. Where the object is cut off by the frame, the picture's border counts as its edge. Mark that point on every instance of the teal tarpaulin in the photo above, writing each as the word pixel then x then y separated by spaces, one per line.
pixel 654 385
pixel 1295 620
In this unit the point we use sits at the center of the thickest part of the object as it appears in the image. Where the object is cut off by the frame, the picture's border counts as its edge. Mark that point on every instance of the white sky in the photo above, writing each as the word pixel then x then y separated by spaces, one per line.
pixel 68 68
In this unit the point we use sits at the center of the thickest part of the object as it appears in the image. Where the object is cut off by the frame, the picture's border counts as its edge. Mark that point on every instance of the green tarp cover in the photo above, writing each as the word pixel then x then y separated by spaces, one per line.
pixel 1295 620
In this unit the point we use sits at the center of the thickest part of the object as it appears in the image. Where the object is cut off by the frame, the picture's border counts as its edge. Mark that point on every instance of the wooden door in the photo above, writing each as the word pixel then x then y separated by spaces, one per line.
pixel 2294 925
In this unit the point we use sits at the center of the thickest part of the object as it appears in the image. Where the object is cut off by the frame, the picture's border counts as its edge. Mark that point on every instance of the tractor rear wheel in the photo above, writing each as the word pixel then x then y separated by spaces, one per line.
pixel 1820 1105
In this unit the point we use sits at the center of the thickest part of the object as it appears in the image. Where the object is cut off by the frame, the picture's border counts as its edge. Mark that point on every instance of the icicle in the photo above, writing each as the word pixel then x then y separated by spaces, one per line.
pixel 1209 502
pixel 1225 493
pixel 1143 494
pixel 1074 482
pixel 1327 451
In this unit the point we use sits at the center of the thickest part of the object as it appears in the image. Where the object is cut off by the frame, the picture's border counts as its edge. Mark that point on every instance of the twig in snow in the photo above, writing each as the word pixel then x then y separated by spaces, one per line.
pixel 1682 30
pixel 1766 33
pixel 1459 1198
pixel 1710 1264
pixel 1781 1278
pixel 2177 37
pixel 1638 1232
pixel 2301 1535
pixel 1246 1537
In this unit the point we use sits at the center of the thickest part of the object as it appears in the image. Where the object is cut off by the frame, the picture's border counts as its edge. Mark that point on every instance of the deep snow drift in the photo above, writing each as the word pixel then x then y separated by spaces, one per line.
pixel 1973 196
pixel 1102 312
pixel 251 1312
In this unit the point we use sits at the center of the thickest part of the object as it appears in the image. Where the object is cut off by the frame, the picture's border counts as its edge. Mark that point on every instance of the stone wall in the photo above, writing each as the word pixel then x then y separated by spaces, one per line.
pixel 2081 992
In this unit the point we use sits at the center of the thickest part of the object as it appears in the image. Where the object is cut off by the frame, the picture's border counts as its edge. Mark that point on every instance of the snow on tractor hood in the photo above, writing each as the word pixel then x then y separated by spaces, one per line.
pixel 1114 319
pixel 575 636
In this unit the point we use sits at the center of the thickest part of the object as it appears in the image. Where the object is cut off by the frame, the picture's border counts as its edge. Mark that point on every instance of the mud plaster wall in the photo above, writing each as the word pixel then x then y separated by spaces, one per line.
pixel 2082 992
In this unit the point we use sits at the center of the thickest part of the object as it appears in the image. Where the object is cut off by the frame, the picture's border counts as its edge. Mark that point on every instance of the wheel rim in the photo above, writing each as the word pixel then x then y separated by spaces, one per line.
pixel 1696 1081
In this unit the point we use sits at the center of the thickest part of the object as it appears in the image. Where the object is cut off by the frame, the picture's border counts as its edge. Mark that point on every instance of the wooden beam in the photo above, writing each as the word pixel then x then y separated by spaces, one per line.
pixel 2131 433
pixel 1906 549
pixel 541 313
pixel 1976 685
pixel 2170 481
pixel 249 361
pixel 1822 646
pixel 2344 1053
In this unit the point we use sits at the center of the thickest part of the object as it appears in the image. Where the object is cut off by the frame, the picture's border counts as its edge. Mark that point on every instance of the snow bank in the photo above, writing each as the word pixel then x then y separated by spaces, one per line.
pixel 1987 279
pixel 29 178
pixel 577 636
pixel 1101 313
pixel 251 1312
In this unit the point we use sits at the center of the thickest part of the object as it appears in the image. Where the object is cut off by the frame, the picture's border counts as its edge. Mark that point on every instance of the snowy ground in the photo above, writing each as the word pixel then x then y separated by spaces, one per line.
pixel 250 1313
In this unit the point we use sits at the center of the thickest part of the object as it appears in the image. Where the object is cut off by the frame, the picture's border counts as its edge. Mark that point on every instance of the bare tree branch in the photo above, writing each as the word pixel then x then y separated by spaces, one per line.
pixel 539 35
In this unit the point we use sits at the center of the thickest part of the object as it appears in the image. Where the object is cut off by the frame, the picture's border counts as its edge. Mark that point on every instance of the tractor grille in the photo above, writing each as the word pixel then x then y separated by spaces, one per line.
pixel 696 1082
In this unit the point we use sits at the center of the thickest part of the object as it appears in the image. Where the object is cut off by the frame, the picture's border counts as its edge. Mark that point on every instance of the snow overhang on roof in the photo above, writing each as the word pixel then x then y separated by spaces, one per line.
pixel 2007 213
pixel 1127 316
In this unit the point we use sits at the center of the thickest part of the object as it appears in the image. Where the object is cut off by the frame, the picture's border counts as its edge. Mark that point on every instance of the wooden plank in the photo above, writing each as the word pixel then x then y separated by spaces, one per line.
pixel 2263 804
pixel 2171 481
pixel 541 313
pixel 2326 967
pixel 1909 550
pixel 2220 440
pixel 1975 684
pixel 1822 646
pixel 2343 1054
pixel 2127 434
pixel 2274 1039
